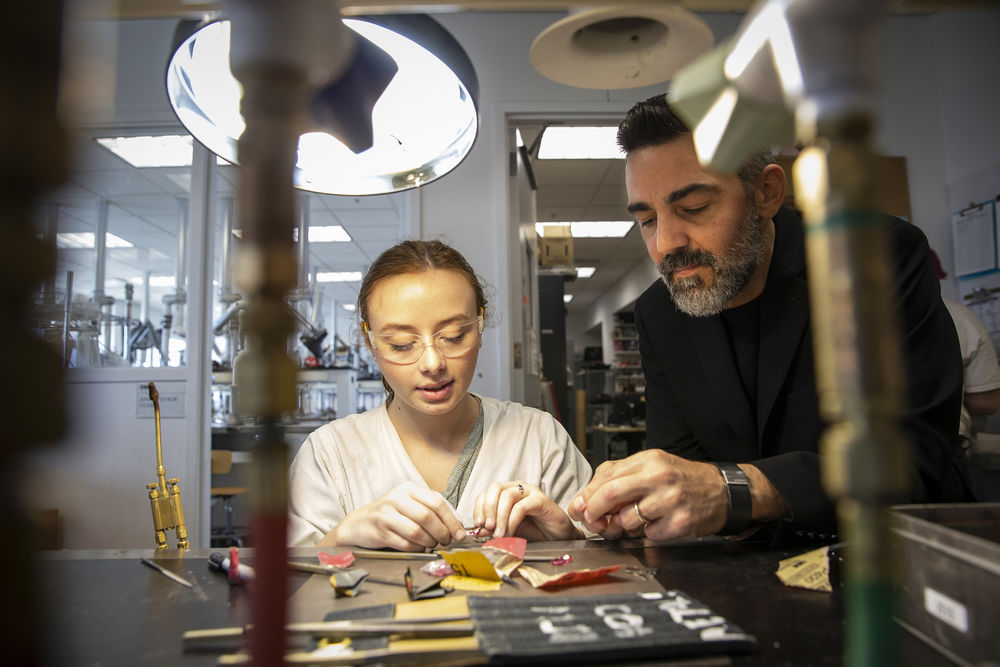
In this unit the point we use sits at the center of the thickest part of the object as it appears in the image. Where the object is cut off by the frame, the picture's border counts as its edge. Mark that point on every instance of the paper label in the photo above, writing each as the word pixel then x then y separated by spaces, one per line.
pixel 943 608
pixel 810 570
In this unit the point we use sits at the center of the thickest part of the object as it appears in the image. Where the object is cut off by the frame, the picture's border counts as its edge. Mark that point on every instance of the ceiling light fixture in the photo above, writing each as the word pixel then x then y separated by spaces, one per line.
pixel 328 234
pixel 591 228
pixel 168 150
pixel 616 47
pixel 163 150
pixel 86 240
pixel 403 114
pixel 567 298
pixel 338 276
pixel 562 142
pixel 585 271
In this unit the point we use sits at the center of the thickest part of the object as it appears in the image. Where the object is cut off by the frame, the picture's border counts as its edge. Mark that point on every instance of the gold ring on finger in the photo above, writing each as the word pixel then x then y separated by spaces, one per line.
pixel 639 514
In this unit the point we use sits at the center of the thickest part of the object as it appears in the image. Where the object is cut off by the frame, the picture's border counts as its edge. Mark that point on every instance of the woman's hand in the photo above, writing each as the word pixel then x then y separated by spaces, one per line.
pixel 522 510
pixel 411 517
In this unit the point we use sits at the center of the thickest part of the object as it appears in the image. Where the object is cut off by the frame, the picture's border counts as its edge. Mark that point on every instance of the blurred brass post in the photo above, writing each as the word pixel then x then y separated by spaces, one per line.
pixel 859 369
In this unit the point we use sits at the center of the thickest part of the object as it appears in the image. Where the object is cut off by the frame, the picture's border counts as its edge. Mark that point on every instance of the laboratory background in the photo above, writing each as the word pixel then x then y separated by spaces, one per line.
pixel 146 226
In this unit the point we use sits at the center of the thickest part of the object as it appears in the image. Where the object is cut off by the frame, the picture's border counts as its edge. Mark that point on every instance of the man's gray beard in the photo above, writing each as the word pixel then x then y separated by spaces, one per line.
pixel 732 271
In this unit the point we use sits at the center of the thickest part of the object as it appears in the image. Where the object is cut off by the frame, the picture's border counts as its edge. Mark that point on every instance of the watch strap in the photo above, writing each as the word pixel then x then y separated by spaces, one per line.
pixel 740 505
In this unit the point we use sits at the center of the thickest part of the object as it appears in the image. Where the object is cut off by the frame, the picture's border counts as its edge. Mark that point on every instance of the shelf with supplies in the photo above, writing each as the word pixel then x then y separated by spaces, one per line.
pixel 626 363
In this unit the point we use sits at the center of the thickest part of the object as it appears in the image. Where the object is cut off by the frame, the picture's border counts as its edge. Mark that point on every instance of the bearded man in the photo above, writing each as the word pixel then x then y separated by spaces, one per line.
pixel 732 415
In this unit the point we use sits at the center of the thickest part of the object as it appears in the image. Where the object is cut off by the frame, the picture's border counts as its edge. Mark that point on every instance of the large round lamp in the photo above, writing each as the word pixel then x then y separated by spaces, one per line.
pixel 403 114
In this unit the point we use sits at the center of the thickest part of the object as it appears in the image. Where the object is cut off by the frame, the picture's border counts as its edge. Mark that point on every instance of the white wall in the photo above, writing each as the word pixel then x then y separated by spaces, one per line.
pixel 97 476
pixel 910 121
pixel 968 56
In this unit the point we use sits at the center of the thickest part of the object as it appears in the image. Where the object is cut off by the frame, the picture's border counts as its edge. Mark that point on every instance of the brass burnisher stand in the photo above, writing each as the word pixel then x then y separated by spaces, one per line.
pixel 165 494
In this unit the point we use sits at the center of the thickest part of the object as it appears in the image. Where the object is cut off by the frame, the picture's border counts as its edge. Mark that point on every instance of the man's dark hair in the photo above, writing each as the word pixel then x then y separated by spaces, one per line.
pixel 652 122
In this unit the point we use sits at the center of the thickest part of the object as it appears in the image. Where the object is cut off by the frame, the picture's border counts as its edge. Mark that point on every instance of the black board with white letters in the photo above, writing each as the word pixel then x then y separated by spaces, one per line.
pixel 575 629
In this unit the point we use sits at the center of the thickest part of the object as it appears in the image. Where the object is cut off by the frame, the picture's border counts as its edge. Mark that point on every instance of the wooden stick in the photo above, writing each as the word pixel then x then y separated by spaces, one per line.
pixel 317 568
pixel 356 628
pixel 395 555
pixel 467 656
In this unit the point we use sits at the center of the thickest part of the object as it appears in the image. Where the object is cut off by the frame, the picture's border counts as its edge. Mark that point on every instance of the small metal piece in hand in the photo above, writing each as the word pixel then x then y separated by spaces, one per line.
pixel 476 533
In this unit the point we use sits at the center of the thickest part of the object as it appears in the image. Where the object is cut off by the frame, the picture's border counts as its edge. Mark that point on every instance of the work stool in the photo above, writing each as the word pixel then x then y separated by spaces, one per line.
pixel 222 464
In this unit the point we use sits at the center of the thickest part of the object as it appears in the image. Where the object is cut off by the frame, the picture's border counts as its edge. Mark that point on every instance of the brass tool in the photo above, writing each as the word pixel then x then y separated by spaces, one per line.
pixel 165 495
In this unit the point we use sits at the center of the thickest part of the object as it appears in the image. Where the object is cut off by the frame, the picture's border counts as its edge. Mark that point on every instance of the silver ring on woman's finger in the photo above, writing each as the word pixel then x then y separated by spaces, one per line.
pixel 639 514
pixel 520 489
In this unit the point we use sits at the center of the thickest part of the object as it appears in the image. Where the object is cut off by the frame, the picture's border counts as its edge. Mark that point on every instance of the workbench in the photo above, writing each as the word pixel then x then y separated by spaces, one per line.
pixel 104 607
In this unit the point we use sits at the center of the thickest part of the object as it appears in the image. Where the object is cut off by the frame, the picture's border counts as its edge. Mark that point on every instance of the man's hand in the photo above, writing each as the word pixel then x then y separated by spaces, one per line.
pixel 675 497
pixel 411 517
pixel 522 510
pixel 667 495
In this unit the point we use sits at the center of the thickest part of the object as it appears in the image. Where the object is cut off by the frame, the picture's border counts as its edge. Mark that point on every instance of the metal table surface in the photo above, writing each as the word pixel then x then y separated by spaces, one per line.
pixel 105 608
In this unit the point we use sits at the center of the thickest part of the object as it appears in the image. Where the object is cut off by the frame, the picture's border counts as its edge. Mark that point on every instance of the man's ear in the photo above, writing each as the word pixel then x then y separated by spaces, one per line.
pixel 770 190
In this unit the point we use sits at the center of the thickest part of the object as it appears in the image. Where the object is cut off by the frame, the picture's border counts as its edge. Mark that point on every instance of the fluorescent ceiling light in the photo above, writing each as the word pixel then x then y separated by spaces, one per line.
pixel 580 143
pixel 349 307
pixel 165 150
pixel 86 240
pixel 567 298
pixel 585 271
pixel 338 276
pixel 154 281
pixel 591 228
pixel 328 234
pixel 168 150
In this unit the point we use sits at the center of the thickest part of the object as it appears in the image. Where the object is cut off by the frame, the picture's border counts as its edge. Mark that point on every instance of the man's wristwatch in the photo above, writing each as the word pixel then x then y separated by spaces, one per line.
pixel 740 506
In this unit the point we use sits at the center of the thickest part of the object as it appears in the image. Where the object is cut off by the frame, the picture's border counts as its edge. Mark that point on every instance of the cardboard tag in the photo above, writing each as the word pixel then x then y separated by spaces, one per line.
pixel 810 570
pixel 515 546
pixel 451 606
pixel 471 564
